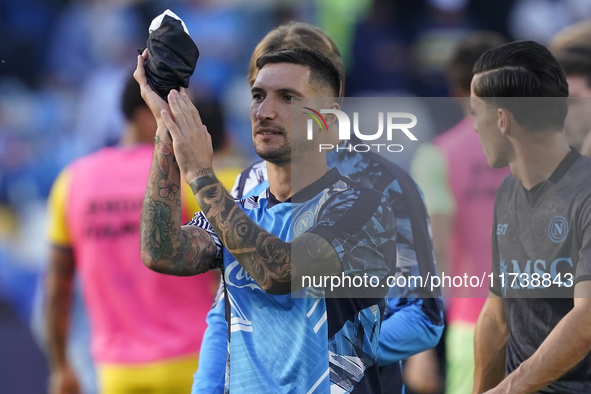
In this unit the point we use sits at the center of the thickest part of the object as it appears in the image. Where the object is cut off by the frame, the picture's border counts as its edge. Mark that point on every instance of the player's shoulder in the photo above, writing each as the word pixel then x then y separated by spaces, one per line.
pixel 101 155
pixel 348 186
pixel 345 189
pixel 333 186
pixel 507 189
pixel 576 186
pixel 257 166
pixel 355 206
pixel 510 182
pixel 248 179
pixel 391 175
pixel 581 171
pixel 66 173
pixel 336 182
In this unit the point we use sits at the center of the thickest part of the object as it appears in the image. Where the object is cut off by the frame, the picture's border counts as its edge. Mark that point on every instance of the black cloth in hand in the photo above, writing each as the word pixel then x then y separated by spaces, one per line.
pixel 172 57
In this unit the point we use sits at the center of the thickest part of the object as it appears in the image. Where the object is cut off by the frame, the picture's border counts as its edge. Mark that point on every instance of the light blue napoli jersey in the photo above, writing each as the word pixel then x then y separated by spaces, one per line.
pixel 284 344
pixel 267 340
pixel 413 320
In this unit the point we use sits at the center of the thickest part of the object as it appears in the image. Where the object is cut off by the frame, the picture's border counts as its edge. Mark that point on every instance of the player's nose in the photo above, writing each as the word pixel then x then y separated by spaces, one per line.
pixel 266 109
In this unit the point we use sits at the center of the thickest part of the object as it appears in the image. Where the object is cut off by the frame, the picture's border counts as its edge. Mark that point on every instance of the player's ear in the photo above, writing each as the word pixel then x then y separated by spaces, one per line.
pixel 504 119
pixel 331 119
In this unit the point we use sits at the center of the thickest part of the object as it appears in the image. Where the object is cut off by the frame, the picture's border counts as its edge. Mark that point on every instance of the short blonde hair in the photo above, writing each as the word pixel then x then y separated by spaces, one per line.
pixel 298 34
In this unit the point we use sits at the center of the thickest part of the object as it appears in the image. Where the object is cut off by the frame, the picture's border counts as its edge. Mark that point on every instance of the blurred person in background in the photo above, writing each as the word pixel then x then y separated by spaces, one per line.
pixel 438 30
pixel 88 57
pixel 533 334
pixel 26 26
pixel 576 62
pixel 572 48
pixel 141 340
pixel 412 324
pixel 459 189
pixel 540 20
pixel 575 35
pixel 379 55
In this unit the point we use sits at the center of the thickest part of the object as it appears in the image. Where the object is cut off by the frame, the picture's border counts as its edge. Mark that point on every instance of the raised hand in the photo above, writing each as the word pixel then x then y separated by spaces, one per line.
pixel 190 140
pixel 152 99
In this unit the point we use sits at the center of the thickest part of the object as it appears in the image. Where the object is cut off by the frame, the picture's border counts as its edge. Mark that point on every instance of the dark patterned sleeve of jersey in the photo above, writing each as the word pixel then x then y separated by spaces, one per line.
pixel 415 246
pixel 498 264
pixel 360 225
pixel 583 271
pixel 200 220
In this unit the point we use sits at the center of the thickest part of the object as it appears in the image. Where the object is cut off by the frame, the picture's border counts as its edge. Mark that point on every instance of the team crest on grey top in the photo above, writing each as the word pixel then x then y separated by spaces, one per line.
pixel 558 229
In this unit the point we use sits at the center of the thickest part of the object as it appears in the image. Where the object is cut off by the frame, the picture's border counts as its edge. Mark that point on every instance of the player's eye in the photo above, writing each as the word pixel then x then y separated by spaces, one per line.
pixel 257 97
pixel 287 97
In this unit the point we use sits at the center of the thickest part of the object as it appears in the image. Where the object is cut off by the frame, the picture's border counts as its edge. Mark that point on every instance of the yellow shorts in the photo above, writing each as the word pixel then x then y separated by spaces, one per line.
pixel 174 376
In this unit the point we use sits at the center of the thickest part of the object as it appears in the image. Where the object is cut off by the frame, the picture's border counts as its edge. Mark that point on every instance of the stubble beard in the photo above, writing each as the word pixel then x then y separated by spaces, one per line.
pixel 280 155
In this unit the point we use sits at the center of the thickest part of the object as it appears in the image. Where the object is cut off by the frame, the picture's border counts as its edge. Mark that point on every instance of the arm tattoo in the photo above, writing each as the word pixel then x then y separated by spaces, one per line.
pixel 195 246
pixel 168 189
pixel 159 228
pixel 204 177
pixel 171 248
pixel 265 257
pixel 161 150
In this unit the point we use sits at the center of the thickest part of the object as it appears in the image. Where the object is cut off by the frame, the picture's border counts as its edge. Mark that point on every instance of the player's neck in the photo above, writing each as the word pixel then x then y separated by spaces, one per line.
pixel 535 160
pixel 286 180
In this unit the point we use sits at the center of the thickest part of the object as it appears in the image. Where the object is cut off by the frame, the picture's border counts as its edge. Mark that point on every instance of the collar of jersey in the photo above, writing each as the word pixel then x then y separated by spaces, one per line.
pixel 564 166
pixel 557 174
pixel 307 193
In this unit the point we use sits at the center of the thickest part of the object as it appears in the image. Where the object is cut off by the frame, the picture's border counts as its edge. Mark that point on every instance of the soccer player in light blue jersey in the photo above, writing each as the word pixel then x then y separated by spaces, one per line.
pixel 413 321
pixel 278 343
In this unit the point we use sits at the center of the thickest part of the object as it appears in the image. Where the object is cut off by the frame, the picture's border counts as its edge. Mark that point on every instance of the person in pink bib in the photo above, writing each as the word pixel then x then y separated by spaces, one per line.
pixel 145 336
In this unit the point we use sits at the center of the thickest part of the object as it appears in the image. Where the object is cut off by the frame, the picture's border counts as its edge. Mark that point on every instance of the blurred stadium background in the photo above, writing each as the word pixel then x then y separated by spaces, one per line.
pixel 62 64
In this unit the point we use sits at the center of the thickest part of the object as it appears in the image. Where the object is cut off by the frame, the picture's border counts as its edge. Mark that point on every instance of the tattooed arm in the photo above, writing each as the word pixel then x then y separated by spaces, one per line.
pixel 166 246
pixel 268 259
pixel 265 257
